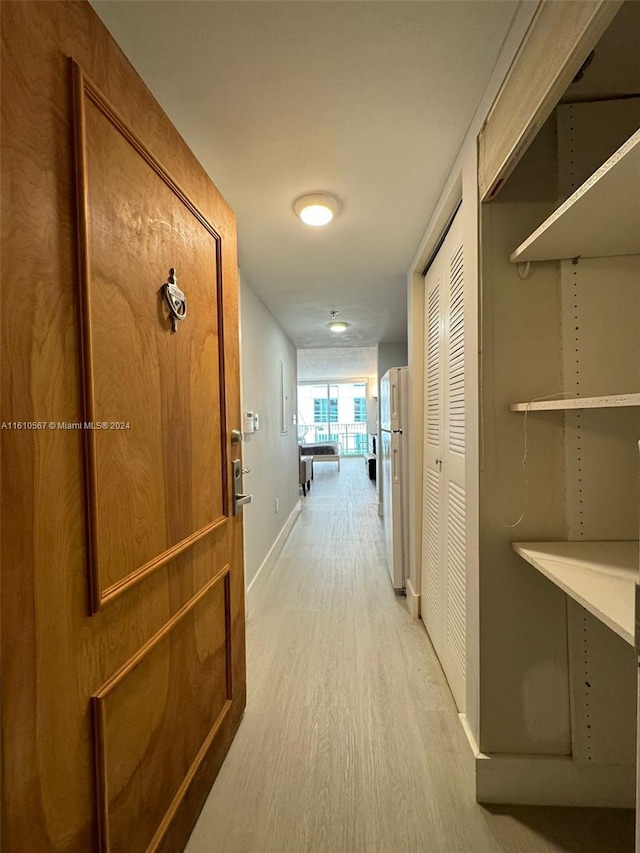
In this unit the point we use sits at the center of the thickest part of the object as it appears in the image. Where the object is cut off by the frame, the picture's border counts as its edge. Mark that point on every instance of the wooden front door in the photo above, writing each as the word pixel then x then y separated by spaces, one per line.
pixel 122 585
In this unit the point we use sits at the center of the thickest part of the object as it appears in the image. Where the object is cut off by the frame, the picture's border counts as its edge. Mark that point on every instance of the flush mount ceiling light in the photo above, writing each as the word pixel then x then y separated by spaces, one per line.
pixel 337 325
pixel 316 209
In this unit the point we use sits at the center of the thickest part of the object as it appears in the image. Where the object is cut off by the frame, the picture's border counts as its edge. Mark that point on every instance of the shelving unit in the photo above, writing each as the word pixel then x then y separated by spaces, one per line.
pixel 570 481
pixel 600 219
pixel 600 576
pixel 608 402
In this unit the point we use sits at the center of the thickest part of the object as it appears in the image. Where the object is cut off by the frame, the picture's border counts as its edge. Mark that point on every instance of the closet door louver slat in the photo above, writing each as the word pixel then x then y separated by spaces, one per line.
pixel 430 539
pixel 456 353
pixel 433 367
pixel 456 576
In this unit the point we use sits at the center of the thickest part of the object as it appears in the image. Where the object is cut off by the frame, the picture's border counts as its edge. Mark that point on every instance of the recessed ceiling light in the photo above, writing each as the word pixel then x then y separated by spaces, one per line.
pixel 338 326
pixel 316 209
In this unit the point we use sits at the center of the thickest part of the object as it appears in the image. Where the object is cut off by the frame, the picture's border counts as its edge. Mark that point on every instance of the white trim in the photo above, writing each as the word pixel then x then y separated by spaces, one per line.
pixel 553 780
pixel 440 222
pixel 413 599
pixel 471 754
pixel 269 561
pixel 464 722
pixel 547 780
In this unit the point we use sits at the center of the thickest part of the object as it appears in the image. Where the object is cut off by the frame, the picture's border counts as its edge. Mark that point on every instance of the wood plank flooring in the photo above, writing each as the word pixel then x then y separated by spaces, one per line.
pixel 351 742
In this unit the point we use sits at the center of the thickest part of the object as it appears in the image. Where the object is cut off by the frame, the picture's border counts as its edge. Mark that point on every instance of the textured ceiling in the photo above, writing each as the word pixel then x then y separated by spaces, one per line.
pixel 337 363
pixel 367 100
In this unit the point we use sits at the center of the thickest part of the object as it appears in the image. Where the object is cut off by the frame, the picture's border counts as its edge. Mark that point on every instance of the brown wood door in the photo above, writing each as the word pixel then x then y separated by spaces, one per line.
pixel 123 676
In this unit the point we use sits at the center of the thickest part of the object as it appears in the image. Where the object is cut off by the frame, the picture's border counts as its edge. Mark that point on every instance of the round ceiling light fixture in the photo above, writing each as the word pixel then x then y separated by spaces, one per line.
pixel 316 208
pixel 337 325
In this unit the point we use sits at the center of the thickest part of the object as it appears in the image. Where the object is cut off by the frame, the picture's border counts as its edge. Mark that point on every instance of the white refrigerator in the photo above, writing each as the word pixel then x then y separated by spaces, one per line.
pixel 395 480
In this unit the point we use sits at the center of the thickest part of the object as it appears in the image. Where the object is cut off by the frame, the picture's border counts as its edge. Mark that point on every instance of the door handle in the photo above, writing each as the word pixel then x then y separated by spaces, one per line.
pixel 395 431
pixel 239 499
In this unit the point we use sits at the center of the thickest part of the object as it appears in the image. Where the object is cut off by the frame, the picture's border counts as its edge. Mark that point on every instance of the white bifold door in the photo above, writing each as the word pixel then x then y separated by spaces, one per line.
pixel 443 590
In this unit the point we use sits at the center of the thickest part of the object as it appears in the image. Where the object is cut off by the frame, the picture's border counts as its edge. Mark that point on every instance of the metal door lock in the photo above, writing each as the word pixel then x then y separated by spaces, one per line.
pixel 239 499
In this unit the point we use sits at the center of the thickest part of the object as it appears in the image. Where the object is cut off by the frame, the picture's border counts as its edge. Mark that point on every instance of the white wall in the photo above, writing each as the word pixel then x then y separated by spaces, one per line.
pixel 271 456
pixel 392 355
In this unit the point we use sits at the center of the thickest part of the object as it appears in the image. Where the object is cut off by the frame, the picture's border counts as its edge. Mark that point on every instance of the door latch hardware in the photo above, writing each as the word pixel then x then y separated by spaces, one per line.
pixel 175 299
pixel 239 499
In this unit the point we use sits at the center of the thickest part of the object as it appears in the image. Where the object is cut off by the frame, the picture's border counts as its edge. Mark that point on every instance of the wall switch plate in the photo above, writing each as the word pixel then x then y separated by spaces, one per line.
pixel 277 505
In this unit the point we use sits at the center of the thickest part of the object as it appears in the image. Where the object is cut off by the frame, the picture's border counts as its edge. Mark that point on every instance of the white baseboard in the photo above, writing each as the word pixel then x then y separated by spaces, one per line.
pixel 472 753
pixel 553 780
pixel 548 780
pixel 413 600
pixel 269 561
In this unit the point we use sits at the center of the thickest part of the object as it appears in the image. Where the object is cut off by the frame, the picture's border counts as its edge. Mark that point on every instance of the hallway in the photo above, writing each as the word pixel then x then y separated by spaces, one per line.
pixel 350 742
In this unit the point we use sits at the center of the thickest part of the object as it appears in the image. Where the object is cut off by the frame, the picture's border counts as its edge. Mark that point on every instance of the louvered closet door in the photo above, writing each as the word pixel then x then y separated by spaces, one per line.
pixel 453 485
pixel 443 596
pixel 431 608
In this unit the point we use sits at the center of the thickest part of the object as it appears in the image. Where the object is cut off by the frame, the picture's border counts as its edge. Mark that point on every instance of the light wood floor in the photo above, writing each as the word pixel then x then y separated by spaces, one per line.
pixel 350 742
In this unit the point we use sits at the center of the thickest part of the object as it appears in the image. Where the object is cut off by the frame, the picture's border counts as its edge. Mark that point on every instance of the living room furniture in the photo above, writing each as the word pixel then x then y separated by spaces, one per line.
pixel 370 462
pixel 305 473
pixel 323 451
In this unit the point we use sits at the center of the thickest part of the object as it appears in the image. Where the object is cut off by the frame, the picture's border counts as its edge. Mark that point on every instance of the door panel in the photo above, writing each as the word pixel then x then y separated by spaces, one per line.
pixel 453 479
pixel 443 599
pixel 456 593
pixel 158 480
pixel 158 714
pixel 455 408
pixel 431 604
pixel 123 680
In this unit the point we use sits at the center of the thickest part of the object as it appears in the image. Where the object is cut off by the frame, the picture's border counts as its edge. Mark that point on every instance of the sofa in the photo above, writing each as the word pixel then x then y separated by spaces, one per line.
pixel 322 451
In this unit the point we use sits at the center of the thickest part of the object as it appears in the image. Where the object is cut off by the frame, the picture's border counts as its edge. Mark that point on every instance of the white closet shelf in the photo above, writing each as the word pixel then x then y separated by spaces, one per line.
pixel 612 401
pixel 600 576
pixel 600 219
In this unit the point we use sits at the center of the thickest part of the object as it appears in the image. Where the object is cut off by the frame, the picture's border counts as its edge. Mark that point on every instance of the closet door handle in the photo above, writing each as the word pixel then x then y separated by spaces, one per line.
pixel 438 464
